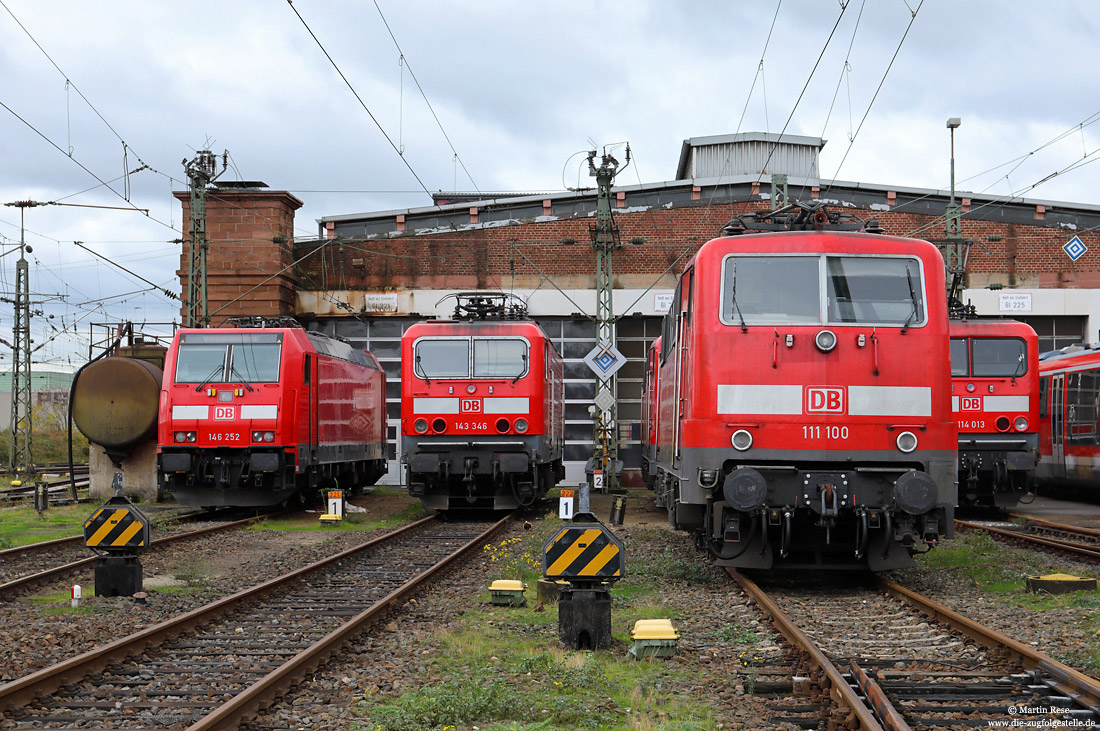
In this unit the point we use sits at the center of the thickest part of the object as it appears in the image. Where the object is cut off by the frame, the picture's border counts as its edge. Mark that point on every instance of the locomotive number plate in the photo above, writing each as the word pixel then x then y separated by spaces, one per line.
pixel 472 426
pixel 225 437
pixel 828 431
pixel 972 424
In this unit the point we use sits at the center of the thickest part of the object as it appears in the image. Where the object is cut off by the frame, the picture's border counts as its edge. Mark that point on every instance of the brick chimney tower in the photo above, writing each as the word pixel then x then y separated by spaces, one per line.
pixel 251 234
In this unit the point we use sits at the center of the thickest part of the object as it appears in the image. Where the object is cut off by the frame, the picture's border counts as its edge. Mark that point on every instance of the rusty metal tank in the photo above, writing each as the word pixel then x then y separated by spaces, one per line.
pixel 115 403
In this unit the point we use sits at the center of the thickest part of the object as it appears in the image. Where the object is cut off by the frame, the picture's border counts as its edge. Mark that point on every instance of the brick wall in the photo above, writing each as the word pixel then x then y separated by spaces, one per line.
pixel 251 248
pixel 250 233
pixel 513 255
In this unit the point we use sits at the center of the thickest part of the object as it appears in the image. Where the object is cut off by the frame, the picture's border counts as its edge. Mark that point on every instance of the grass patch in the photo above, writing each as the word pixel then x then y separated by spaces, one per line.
pixel 193 572
pixel 737 633
pixel 21 526
pixel 178 590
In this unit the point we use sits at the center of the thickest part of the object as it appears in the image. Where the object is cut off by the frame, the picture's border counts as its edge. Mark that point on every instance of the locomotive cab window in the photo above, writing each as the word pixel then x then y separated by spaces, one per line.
pixel 769 290
pixel 455 358
pixel 875 290
pixel 960 357
pixel 499 358
pixel 822 289
pixel 228 357
pixel 442 358
pixel 998 357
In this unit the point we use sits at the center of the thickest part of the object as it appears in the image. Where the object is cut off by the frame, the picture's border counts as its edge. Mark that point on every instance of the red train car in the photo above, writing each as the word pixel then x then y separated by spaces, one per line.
pixel 803 405
pixel 254 416
pixel 995 397
pixel 1069 423
pixel 650 387
pixel 482 407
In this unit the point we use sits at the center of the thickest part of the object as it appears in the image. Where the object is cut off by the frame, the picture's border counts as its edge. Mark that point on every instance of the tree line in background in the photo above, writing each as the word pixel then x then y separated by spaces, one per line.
pixel 48 423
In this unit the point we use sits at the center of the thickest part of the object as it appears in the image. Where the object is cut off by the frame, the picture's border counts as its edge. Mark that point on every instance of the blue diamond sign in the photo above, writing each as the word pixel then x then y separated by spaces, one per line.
pixel 1075 248
pixel 605 360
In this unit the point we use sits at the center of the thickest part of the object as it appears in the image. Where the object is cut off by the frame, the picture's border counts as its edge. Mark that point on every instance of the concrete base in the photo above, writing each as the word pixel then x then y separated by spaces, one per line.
pixel 118 576
pixel 139 473
pixel 584 618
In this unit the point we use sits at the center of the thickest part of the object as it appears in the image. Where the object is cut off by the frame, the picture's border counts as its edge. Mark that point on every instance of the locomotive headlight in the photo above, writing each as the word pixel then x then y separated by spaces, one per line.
pixel 1002 423
pixel 1021 423
pixel 257 436
pixel 825 340
pixel 471 388
pixel 180 436
pixel 741 440
pixel 269 436
pixel 907 441
pixel 421 426
pixel 970 387
pixel 521 425
pixel 191 436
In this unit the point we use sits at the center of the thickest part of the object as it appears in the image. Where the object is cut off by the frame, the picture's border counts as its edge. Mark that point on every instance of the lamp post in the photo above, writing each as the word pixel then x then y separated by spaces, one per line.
pixel 953 213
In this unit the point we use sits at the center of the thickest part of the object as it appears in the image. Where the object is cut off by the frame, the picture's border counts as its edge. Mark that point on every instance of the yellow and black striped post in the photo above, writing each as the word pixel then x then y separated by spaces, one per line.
pixel 590 557
pixel 117 530
pixel 583 552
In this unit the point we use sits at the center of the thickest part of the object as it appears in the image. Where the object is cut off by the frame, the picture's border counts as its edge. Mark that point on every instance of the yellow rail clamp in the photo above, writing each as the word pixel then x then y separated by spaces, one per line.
pixel 583 552
pixel 117 525
pixel 1060 583
pixel 653 638
pixel 507 592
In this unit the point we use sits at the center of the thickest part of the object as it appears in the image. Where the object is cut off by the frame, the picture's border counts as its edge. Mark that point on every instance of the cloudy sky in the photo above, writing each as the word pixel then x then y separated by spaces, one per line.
pixel 494 96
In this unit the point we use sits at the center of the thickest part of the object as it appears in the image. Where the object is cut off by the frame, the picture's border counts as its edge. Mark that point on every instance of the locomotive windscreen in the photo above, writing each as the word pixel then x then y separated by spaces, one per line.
pixel 453 358
pixel 989 357
pixel 787 290
pixel 225 357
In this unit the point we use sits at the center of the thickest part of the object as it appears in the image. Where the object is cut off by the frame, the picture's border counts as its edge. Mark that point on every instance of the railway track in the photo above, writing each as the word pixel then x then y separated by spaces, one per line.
pixel 59 490
pixel 215 666
pixel 889 658
pixel 21 568
pixel 1074 540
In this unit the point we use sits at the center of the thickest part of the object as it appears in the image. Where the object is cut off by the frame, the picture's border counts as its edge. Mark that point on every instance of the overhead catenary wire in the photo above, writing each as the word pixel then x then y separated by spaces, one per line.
pixel 407 65
pixel 851 142
pixel 760 69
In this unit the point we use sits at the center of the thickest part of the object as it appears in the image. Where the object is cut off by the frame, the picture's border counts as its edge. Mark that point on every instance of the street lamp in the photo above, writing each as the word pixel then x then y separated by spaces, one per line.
pixel 953 212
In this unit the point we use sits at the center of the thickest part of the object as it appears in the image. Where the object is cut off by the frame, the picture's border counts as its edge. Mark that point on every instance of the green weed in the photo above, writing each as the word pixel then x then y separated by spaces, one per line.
pixel 193 572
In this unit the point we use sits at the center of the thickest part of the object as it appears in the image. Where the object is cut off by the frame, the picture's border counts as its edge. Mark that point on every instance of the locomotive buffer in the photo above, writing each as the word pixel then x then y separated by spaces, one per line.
pixel 116 531
pixel 589 556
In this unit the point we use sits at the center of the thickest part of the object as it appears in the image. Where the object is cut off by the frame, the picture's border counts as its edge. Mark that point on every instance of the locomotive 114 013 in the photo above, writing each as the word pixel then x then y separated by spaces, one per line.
pixel 799 398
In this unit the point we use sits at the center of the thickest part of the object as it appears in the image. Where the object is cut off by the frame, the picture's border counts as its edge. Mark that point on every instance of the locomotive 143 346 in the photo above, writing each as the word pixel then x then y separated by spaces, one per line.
pixel 482 407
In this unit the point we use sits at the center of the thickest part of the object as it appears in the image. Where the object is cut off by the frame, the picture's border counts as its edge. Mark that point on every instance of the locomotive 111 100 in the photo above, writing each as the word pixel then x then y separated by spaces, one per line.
pixel 798 404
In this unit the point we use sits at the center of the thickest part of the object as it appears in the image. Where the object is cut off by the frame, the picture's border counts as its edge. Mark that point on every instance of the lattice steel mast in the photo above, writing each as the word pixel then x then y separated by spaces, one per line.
pixel 605 239
pixel 21 447
pixel 201 171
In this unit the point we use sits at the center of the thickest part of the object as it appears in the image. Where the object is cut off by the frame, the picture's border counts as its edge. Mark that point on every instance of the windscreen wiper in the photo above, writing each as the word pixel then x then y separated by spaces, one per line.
pixel 209 377
pixel 912 296
pixel 733 299
pixel 243 379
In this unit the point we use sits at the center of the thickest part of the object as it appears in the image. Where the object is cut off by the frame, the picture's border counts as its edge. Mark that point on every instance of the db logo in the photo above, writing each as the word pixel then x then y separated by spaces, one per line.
pixel 824 400
pixel 470 406
pixel 970 403
pixel 223 413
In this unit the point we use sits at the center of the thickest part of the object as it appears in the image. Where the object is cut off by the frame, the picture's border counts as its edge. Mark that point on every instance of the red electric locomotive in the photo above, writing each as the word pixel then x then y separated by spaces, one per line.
pixel 804 412
pixel 482 407
pixel 1069 422
pixel 995 397
pixel 254 416
pixel 650 412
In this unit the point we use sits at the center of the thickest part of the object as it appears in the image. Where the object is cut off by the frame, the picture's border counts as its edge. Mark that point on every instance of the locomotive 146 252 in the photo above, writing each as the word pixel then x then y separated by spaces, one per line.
pixel 801 395
pixel 482 407
pixel 254 416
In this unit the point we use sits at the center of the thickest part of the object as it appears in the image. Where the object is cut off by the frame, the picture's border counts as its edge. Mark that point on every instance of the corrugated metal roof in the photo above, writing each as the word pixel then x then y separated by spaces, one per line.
pixel 747 154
